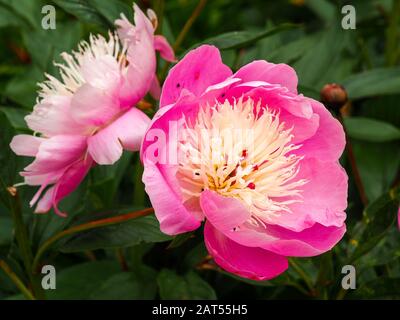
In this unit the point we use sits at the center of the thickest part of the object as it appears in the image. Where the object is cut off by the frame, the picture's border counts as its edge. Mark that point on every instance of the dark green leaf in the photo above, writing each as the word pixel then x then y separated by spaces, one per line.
pixel 241 39
pixel 371 130
pixel 126 234
pixel 379 216
pixel 189 287
pixel 379 288
pixel 15 117
pixel 112 9
pixel 373 83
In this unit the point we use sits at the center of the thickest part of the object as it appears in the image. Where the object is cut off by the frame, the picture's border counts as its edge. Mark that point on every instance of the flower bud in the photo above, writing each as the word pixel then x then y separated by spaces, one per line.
pixel 334 96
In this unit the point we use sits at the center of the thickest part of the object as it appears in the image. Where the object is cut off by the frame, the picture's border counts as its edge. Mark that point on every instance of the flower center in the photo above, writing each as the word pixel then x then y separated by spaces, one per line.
pixel 241 151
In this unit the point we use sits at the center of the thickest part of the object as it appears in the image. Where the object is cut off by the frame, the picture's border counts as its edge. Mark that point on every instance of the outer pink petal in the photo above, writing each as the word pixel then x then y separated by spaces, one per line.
pixel 26 145
pixel 93 106
pixel 261 70
pixel 161 44
pixel 199 69
pixel 174 218
pixel 126 132
pixel 56 153
pixel 329 141
pixel 324 197
pixel 68 182
pixel 248 262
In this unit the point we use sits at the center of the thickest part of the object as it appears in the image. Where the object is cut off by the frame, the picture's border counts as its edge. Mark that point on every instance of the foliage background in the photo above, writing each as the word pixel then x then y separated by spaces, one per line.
pixel 133 260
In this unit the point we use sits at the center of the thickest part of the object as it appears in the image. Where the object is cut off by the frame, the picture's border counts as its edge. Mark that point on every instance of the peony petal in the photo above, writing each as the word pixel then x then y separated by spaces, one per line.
pixel 248 262
pixel 261 70
pixel 52 117
pixel 126 132
pixel 26 145
pixel 199 69
pixel 56 153
pixel 223 212
pixel 161 44
pixel 69 181
pixel 329 141
pixel 174 218
pixel 93 106
pixel 323 197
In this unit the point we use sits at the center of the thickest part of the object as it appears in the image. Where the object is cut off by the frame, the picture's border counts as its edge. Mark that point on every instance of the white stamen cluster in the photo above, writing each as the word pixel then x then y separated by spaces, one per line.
pixel 241 151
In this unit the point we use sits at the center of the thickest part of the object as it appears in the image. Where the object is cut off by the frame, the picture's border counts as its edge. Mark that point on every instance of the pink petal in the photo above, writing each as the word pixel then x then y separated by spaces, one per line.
pixel 223 212
pixel 26 145
pixel 248 262
pixel 52 117
pixel 261 70
pixel 93 106
pixel 323 197
pixel 174 218
pixel 69 181
pixel 199 69
pixel 126 132
pixel 329 141
pixel 161 44
pixel 155 89
pixel 56 153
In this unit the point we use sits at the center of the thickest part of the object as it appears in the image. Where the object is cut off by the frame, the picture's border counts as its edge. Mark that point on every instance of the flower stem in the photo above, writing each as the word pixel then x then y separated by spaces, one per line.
pixel 17 281
pixel 84 227
pixel 21 235
pixel 181 36
pixel 353 165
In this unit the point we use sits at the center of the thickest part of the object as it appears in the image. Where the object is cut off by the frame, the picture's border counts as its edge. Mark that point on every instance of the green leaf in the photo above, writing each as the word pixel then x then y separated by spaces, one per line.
pixel 83 11
pixel 325 10
pixel 382 287
pixel 128 286
pixel 379 216
pixel 81 281
pixel 6 230
pixel 180 239
pixel 126 234
pixel 382 81
pixel 188 287
pixel 240 39
pixel 15 117
pixel 112 9
pixel 371 130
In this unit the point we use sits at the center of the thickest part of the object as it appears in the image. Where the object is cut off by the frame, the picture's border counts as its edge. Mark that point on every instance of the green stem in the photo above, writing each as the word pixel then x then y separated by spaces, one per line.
pixel 17 281
pixel 392 35
pixel 302 274
pixel 84 227
pixel 21 235
pixel 196 12
pixel 341 294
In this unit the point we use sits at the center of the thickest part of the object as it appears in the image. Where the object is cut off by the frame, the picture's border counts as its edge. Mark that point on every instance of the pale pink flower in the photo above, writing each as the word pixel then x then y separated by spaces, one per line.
pixel 88 117
pixel 256 160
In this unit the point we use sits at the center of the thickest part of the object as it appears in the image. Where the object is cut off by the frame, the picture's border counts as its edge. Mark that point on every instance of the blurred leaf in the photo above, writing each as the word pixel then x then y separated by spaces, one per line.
pixel 371 130
pixel 188 287
pixel 112 9
pixel 23 87
pixel 383 287
pixel 378 164
pixel 83 11
pixel 379 216
pixel 325 52
pixel 80 281
pixel 374 82
pixel 126 234
pixel 128 286
pixel 6 230
pixel 325 10
pixel 180 239
pixel 15 117
pixel 240 39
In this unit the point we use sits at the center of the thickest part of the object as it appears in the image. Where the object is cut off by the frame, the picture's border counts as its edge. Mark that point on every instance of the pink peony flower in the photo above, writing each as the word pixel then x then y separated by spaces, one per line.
pixel 250 156
pixel 88 117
